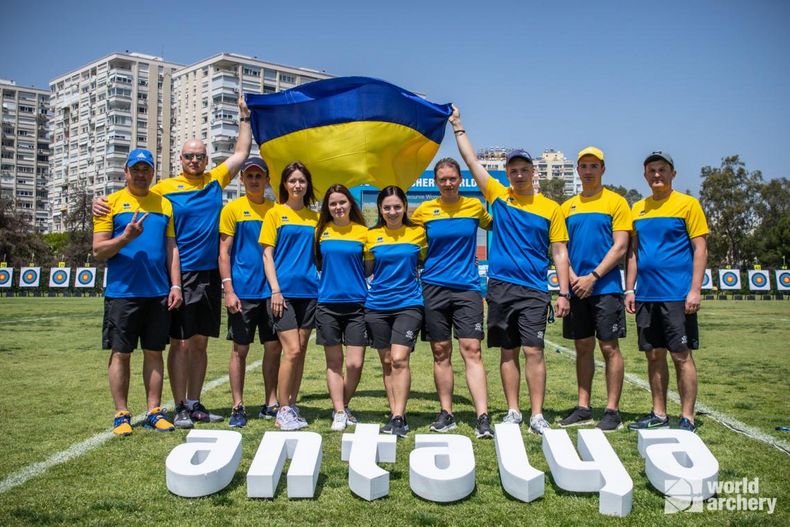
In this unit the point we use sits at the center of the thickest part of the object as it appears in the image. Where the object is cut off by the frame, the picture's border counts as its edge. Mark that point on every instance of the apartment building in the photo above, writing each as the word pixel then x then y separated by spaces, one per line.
pixel 553 164
pixel 99 112
pixel 206 102
pixel 25 151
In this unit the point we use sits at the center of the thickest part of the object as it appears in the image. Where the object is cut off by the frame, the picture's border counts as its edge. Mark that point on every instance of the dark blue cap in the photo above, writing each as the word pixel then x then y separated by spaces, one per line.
pixel 523 154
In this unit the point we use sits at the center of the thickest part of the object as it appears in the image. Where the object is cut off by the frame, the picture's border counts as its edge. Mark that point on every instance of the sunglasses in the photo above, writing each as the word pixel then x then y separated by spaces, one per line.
pixel 189 156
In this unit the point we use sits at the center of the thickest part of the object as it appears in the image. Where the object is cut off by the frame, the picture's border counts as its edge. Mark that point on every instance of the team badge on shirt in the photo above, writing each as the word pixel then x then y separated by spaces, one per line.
pixel 379 239
pixel 127 205
pixel 179 187
pixel 573 206
pixel 325 235
pixel 246 213
pixel 284 219
pixel 436 212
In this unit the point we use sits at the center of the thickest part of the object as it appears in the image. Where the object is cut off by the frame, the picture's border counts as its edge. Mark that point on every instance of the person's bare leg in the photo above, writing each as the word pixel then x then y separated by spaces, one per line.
pixel 686 371
pixel 177 369
pixel 153 377
pixel 289 366
pixel 355 360
pixel 443 373
pixel 270 369
pixel 535 373
pixel 304 340
pixel 401 378
pixel 475 373
pixel 386 370
pixel 334 375
pixel 237 371
pixel 510 371
pixel 118 372
pixel 585 368
pixel 198 362
pixel 658 376
pixel 615 371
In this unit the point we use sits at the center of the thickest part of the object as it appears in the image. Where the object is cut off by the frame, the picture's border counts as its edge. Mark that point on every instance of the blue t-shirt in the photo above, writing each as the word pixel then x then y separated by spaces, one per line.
pixel 342 264
pixel 243 219
pixel 395 254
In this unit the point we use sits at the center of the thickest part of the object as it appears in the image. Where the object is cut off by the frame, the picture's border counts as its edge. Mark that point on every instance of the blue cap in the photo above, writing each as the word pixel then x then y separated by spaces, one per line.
pixel 255 162
pixel 523 154
pixel 140 155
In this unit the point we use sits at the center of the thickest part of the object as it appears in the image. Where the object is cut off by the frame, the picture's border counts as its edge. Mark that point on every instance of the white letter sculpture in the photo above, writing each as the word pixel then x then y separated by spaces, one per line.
pixel 519 478
pixel 598 470
pixel 205 464
pixel 304 451
pixel 363 449
pixel 680 465
pixel 442 469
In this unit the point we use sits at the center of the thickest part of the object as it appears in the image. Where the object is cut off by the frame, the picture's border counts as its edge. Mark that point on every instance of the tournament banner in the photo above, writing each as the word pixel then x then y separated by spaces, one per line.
pixel 553 279
pixel 6 276
pixel 759 280
pixel 59 276
pixel 349 130
pixel 729 279
pixel 782 280
pixel 707 280
pixel 86 277
pixel 29 276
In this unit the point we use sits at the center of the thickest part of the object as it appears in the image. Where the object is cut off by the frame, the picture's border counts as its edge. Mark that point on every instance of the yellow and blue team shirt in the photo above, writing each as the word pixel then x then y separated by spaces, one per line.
pixel 524 227
pixel 197 203
pixel 591 223
pixel 292 234
pixel 139 269
pixel 451 229
pixel 664 229
pixel 242 219
pixel 395 254
pixel 342 278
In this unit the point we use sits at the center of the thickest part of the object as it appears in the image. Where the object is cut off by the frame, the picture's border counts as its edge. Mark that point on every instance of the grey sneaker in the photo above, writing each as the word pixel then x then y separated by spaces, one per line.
pixel 269 412
pixel 298 414
pixel 339 421
pixel 200 413
pixel 444 422
pixel 350 418
pixel 610 421
pixel 513 416
pixel 399 426
pixel 483 428
pixel 288 419
pixel 537 424
pixel 579 416
pixel 181 418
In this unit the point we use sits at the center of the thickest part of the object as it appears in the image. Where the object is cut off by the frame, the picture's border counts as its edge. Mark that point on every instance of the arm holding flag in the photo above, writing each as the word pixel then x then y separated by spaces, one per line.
pixel 243 142
pixel 467 151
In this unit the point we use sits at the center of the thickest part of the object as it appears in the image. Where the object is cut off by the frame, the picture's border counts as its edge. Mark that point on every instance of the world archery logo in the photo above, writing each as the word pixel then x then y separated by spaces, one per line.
pixel 59 277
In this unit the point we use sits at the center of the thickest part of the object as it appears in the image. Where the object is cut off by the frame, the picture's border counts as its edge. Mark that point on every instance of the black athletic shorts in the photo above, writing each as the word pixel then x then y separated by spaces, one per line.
pixel 129 320
pixel 602 316
pixel 516 315
pixel 201 312
pixel 300 314
pixel 666 325
pixel 253 315
pixel 451 312
pixel 341 324
pixel 401 326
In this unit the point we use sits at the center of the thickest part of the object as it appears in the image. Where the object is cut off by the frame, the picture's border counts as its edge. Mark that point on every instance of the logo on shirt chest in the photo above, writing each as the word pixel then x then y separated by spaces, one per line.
pixel 246 213
pixel 642 212
pixel 436 212
pixel 325 235
pixel 127 206
pixel 379 239
pixel 180 187
pixel 284 219
pixel 573 207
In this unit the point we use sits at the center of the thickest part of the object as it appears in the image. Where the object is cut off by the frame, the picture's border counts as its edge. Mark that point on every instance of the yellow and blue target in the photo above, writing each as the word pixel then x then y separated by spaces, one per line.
pixel 29 277
pixel 707 281
pixel 553 280
pixel 758 280
pixel 783 280
pixel 729 279
pixel 86 277
pixel 59 278
pixel 5 277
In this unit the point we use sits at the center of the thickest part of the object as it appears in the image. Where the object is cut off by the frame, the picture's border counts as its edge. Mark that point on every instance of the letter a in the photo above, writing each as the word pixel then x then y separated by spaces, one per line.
pixel 442 468
pixel 205 464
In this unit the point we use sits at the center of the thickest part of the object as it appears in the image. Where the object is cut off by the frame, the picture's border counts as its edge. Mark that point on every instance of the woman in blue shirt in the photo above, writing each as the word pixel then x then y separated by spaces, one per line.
pixel 340 238
pixel 394 248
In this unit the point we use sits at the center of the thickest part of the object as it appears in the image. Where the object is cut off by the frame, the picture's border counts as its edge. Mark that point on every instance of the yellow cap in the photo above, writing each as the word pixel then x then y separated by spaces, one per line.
pixel 591 151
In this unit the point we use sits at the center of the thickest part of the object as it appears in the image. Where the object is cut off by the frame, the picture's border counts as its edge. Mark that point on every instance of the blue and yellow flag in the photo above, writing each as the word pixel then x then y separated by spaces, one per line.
pixel 349 130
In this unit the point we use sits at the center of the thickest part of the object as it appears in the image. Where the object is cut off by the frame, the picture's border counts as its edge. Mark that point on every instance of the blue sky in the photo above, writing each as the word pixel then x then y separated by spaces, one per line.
pixel 700 79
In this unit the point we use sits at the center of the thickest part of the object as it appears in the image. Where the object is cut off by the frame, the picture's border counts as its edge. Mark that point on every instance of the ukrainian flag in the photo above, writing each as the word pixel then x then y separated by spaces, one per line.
pixel 349 130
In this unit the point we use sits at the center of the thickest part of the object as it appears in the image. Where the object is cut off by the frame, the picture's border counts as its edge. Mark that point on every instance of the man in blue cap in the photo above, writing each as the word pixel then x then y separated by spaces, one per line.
pixel 137 239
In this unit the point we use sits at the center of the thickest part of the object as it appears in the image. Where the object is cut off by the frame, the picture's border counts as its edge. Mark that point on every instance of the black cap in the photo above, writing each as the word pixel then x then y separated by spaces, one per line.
pixel 659 156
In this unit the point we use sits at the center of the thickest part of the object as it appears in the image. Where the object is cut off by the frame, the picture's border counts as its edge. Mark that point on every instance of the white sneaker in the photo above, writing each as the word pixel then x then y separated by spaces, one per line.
pixel 339 421
pixel 537 424
pixel 513 416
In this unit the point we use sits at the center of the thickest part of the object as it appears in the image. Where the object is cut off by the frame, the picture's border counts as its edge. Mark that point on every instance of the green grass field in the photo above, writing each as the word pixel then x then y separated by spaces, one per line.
pixel 54 394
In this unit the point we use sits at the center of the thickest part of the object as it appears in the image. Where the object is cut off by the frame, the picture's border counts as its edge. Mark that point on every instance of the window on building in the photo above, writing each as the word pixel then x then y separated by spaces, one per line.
pixel 285 77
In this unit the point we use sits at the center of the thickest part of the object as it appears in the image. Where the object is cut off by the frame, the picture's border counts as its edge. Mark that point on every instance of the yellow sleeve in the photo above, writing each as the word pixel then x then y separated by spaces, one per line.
pixel 494 189
pixel 422 241
pixel 621 216
pixel 227 220
pixel 167 208
pixel 696 224
pixel 105 223
pixel 566 206
pixel 221 174
pixel 483 217
pixel 558 232
pixel 368 247
pixel 417 215
pixel 269 228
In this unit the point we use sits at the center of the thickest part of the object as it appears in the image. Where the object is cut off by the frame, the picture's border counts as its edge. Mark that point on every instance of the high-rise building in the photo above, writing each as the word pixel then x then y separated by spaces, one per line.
pixel 101 111
pixel 553 164
pixel 24 151
pixel 206 102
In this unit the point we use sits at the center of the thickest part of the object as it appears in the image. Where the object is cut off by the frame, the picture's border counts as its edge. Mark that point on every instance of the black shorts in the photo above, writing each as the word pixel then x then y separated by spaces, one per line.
pixel 127 320
pixel 451 312
pixel 516 315
pixel 201 312
pixel 300 314
pixel 253 315
pixel 400 327
pixel 602 316
pixel 666 325
pixel 341 324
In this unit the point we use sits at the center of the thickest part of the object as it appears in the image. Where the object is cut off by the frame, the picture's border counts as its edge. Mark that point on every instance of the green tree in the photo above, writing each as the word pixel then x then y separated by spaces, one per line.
pixel 554 188
pixel 729 196
pixel 19 245
pixel 631 195
pixel 772 237
pixel 78 249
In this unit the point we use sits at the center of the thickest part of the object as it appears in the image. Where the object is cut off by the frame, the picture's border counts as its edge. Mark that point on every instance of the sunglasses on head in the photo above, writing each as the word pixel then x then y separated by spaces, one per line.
pixel 189 156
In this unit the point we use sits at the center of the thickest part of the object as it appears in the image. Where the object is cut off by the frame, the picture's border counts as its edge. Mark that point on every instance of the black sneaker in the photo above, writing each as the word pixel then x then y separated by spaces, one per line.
pixel 387 428
pixel 181 418
pixel 444 422
pixel 201 414
pixel 269 412
pixel 399 426
pixel 610 421
pixel 686 424
pixel 483 428
pixel 579 416
pixel 649 421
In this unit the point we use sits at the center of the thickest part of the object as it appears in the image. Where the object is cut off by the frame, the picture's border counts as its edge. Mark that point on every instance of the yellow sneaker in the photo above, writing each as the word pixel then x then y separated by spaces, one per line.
pixel 156 420
pixel 122 426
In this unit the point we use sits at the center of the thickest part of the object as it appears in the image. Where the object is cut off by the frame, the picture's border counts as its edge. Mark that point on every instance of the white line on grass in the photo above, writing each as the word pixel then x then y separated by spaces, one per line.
pixel 724 419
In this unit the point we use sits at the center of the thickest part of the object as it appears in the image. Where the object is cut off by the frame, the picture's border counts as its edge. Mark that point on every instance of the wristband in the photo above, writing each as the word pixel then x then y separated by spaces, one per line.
pixel 226 280
pixel 459 132
pixel 276 293
pixel 244 119
pixel 175 287
pixel 629 292
pixel 596 275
